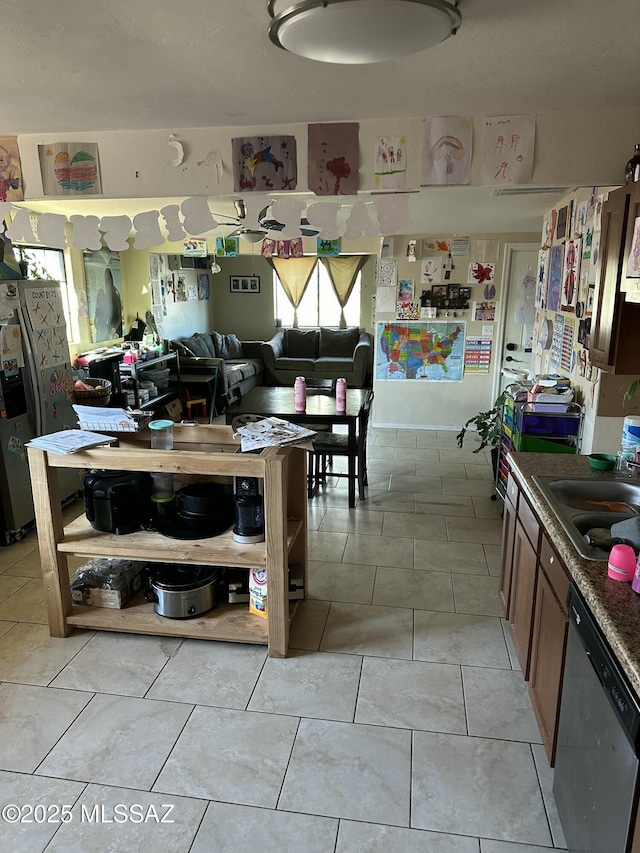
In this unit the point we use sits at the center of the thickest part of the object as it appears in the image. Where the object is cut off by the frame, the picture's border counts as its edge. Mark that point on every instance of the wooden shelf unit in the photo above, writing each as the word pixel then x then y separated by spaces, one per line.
pixel 200 450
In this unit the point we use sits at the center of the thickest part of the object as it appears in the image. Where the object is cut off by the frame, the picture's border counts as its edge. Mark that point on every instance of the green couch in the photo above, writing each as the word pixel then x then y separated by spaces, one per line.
pixel 322 353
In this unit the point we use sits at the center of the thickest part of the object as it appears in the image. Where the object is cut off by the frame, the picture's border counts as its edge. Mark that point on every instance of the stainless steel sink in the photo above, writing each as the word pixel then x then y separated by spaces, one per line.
pixel 582 504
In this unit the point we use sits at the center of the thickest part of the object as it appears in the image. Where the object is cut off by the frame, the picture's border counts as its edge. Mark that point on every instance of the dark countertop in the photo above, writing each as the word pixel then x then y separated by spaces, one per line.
pixel 614 604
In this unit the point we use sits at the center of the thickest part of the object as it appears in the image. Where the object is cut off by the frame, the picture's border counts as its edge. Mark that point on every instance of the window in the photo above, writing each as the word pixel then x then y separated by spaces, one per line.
pixel 50 263
pixel 319 306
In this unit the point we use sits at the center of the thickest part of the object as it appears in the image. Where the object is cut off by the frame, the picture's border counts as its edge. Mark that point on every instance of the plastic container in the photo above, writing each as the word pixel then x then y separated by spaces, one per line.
pixel 635 583
pixel 631 431
pixel 602 461
pixel 161 435
pixel 622 563
pixel 341 395
pixel 300 394
pixel 529 421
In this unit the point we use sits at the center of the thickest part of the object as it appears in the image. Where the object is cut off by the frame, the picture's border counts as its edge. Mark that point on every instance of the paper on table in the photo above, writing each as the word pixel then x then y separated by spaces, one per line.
pixel 69 441
pixel 270 432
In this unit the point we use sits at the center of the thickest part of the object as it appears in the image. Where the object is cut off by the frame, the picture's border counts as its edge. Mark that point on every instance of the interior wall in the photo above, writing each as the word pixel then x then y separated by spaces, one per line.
pixel 573 147
pixel 446 405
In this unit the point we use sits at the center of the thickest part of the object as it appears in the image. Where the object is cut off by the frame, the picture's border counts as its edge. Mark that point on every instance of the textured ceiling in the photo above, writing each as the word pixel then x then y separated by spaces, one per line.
pixel 92 65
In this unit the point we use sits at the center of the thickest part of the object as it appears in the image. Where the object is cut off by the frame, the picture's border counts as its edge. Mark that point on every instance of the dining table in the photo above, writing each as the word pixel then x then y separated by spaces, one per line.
pixel 320 410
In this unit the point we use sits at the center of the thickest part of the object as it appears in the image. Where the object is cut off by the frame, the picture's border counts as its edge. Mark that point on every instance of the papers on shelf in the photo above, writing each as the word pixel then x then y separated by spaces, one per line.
pixel 111 419
pixel 69 441
pixel 272 432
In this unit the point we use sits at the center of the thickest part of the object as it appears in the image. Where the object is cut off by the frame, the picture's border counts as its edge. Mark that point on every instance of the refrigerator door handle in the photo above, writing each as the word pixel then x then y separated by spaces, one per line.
pixel 30 364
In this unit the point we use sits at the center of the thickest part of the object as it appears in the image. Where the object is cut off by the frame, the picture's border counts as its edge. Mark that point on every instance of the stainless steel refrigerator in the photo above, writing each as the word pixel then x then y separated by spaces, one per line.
pixel 36 393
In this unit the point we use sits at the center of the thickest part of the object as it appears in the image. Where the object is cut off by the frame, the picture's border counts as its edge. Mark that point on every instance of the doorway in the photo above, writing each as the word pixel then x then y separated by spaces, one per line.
pixel 514 335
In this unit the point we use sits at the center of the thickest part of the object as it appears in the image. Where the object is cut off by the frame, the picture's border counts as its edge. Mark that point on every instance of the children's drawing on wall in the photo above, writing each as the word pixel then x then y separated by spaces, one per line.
pixel 408 311
pixel 180 289
pixel 333 158
pixel 431 271
pixel 192 291
pixel 263 163
pixel 437 244
pixel 386 272
pixel 203 286
pixel 70 168
pixel 581 219
pixel 525 310
pixel 481 273
pixel 484 312
pixel 446 150
pixel 390 162
pixel 542 277
pixel 406 290
pixel 10 170
pixel 571 274
pixel 549 229
pixel 556 261
pixel 633 261
pixel 507 149
pixel 104 294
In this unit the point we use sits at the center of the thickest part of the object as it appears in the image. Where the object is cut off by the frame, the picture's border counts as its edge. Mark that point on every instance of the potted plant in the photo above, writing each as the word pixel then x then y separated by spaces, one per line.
pixel 487 427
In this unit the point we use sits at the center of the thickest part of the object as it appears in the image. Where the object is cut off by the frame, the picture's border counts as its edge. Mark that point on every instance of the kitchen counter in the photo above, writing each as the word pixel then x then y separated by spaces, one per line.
pixel 614 604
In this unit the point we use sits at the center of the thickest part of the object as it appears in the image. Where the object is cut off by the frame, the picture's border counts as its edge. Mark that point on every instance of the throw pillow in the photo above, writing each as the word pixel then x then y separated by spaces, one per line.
pixel 181 349
pixel 208 343
pixel 339 343
pixel 197 346
pixel 218 343
pixel 234 347
pixel 301 344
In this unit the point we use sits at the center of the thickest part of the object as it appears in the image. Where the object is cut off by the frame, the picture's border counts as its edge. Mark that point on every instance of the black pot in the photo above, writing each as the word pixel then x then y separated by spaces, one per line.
pixel 206 499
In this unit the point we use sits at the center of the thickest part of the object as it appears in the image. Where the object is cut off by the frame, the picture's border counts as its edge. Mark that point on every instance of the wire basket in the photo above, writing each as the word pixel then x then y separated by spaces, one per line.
pixel 98 396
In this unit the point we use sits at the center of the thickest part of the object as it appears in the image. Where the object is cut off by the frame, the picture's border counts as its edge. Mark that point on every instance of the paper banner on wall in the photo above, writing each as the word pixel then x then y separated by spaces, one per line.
pixel 481 273
pixel 227 247
pixel 477 355
pixel 507 149
pixel 262 163
pixel 390 162
pixel 387 272
pixel 431 271
pixel 333 158
pixel 556 262
pixel 11 340
pixel 446 151
pixel 571 274
pixel 11 188
pixel 70 168
pixel 542 278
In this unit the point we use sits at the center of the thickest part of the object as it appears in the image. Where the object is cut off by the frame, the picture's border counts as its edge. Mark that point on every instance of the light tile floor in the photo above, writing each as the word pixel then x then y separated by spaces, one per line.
pixel 399 722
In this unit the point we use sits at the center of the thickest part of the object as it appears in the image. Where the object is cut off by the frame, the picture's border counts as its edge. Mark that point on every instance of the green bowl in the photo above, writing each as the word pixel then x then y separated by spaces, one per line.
pixel 602 461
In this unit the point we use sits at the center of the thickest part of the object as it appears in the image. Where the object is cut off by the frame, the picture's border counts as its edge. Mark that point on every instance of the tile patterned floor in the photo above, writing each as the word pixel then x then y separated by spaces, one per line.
pixel 399 722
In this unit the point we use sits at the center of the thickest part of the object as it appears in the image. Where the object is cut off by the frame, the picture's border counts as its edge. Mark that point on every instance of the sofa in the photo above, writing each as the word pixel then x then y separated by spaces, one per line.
pixel 322 353
pixel 240 366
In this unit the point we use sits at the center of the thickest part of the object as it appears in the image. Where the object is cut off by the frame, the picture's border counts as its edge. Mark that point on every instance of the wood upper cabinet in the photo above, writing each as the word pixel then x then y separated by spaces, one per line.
pixel 614 328
pixel 548 645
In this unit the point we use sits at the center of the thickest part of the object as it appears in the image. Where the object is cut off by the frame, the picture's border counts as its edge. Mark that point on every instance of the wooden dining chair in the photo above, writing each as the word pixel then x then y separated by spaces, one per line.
pixel 326 445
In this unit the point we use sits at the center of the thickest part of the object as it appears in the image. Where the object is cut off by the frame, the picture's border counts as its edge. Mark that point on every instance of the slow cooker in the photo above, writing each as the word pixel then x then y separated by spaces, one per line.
pixel 182 592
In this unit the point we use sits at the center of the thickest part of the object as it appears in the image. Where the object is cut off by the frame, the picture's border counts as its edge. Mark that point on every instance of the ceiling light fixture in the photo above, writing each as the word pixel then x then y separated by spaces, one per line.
pixel 356 32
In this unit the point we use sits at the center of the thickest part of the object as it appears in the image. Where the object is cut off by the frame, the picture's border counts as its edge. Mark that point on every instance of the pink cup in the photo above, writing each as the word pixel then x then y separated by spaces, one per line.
pixel 622 563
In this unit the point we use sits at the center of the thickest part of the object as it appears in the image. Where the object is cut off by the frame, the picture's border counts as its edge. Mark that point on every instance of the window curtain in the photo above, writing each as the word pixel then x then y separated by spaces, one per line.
pixel 343 273
pixel 294 275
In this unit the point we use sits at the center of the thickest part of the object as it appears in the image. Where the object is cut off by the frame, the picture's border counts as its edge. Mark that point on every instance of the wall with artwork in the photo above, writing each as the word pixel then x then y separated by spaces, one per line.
pixel 438 308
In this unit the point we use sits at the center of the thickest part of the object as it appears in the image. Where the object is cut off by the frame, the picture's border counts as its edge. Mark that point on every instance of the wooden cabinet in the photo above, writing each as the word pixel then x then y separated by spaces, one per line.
pixel 522 595
pixel 201 450
pixel 548 645
pixel 509 519
pixel 534 586
pixel 615 323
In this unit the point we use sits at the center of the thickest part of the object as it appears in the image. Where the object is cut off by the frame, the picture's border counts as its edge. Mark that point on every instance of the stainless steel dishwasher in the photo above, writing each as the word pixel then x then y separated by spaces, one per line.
pixel 596 772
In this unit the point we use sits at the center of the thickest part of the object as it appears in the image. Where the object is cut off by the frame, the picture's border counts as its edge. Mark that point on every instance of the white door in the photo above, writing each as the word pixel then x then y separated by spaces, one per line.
pixel 514 344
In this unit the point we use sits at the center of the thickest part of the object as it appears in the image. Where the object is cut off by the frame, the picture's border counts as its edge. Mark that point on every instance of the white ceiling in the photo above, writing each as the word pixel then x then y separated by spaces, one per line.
pixel 105 65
